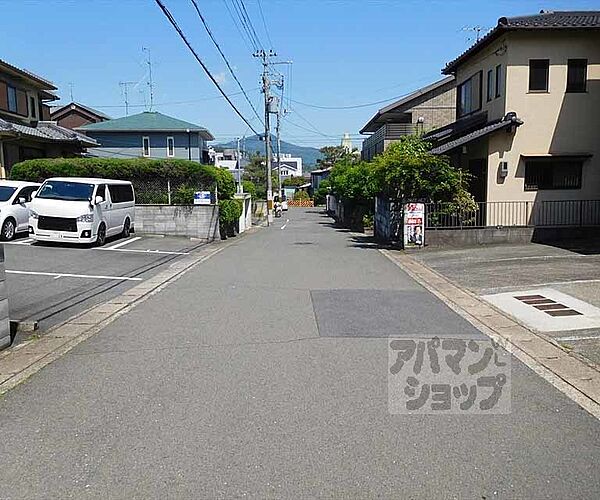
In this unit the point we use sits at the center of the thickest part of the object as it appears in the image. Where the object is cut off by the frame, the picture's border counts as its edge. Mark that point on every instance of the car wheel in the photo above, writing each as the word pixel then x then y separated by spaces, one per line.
pixel 101 238
pixel 126 229
pixel 8 230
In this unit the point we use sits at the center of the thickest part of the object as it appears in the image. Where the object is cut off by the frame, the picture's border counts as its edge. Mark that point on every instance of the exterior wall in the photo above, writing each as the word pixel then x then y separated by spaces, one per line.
pixel 192 221
pixel 487 59
pixel 129 144
pixel 74 119
pixel 437 111
pixel 555 122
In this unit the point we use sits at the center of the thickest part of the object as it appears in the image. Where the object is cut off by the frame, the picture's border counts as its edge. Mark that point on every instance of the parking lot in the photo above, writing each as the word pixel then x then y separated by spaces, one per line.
pixel 49 283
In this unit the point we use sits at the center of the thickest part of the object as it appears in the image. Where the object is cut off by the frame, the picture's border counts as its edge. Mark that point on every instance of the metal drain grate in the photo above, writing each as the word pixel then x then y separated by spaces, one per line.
pixel 549 306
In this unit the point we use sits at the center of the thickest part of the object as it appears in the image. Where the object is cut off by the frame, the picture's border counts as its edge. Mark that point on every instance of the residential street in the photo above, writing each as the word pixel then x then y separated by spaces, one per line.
pixel 263 372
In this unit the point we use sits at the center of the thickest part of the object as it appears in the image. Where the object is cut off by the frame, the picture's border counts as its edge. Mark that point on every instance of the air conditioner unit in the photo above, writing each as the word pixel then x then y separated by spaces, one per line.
pixel 503 169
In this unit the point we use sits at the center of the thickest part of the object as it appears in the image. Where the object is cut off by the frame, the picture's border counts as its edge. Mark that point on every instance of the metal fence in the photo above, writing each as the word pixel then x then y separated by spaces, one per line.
pixel 168 192
pixel 514 214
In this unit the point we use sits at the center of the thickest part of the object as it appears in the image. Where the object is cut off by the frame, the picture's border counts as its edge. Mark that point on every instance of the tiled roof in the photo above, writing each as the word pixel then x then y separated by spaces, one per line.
pixel 148 121
pixel 66 107
pixel 46 131
pixel 545 20
pixel 510 120
pixel 47 84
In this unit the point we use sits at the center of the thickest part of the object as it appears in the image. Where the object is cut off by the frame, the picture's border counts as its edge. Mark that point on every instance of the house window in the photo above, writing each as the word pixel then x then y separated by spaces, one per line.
pixel 553 174
pixel 469 95
pixel 145 146
pixel 576 75
pixel 32 107
pixel 490 85
pixel 12 98
pixel 170 146
pixel 538 75
pixel 498 80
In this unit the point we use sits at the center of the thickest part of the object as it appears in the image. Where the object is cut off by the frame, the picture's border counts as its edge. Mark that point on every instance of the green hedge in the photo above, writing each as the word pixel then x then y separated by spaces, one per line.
pixel 134 169
pixel 229 213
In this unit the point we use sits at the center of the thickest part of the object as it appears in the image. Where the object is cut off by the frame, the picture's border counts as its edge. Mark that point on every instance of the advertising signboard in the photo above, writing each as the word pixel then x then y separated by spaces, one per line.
pixel 414 225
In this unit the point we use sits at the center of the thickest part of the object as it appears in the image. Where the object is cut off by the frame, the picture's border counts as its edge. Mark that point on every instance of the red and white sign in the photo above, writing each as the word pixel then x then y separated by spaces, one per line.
pixel 414 227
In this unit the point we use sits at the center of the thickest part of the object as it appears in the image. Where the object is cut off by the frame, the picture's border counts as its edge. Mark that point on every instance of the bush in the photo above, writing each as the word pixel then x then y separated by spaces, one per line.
pixel 130 169
pixel 183 195
pixel 249 187
pixel 229 214
pixel 301 195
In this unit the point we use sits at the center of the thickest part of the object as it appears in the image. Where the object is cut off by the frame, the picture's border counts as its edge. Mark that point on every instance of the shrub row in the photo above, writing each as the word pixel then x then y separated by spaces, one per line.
pixel 135 169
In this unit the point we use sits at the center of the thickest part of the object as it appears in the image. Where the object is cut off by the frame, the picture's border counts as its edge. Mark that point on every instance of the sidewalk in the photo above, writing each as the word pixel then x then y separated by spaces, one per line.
pixel 254 375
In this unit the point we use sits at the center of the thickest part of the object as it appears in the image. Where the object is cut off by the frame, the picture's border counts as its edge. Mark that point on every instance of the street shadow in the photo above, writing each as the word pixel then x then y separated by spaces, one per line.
pixel 336 226
pixel 582 246
pixel 367 241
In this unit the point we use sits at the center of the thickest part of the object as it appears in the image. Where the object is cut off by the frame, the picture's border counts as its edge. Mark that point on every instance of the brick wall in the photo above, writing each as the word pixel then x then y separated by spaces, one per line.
pixel 193 221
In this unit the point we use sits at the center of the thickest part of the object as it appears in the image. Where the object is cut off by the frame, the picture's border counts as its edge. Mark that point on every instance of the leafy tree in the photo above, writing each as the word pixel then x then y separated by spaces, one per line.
pixel 256 172
pixel 406 170
pixel 249 187
pixel 353 182
pixel 294 181
pixel 321 192
pixel 333 155
pixel 301 195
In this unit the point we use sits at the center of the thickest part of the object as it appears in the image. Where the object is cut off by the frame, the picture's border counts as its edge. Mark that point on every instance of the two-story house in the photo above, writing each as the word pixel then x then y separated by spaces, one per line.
pixel 528 110
pixel 151 135
pixel 25 130
pixel 425 109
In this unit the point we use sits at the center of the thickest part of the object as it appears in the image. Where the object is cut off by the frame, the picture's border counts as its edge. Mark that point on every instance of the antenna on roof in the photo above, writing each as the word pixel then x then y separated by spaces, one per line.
pixel 478 30
pixel 71 91
pixel 150 82
pixel 125 91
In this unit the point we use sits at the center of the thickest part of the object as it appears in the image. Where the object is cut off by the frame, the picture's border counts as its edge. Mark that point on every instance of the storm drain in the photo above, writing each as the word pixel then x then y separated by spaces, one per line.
pixel 549 306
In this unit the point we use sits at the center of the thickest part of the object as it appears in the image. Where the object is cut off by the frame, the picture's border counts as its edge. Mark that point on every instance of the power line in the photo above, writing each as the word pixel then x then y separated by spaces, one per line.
pixel 237 26
pixel 173 22
pixel 238 10
pixel 249 22
pixel 355 106
pixel 195 4
pixel 262 16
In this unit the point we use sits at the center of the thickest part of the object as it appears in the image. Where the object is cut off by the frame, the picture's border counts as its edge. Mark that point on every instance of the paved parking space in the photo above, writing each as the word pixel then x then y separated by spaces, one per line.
pixel 566 274
pixel 50 282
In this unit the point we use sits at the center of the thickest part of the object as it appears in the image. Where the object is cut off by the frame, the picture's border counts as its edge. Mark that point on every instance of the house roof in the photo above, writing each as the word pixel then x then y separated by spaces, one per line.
pixel 46 132
pixel 148 121
pixel 23 73
pixel 510 120
pixel 384 114
pixel 60 110
pixel 545 20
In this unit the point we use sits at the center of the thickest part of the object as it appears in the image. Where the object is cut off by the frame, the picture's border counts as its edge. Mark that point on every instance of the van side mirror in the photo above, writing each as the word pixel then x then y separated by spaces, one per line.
pixel 98 199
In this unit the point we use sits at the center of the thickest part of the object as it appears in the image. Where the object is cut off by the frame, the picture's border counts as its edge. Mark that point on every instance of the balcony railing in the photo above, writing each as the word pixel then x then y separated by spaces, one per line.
pixel 389 131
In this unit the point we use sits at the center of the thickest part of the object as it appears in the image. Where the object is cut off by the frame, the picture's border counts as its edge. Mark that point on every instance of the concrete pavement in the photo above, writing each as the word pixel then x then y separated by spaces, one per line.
pixel 263 372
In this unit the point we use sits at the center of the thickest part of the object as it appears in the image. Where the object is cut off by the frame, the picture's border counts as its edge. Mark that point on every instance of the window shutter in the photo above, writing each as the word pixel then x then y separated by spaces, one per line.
pixel 22 103
pixel 3 96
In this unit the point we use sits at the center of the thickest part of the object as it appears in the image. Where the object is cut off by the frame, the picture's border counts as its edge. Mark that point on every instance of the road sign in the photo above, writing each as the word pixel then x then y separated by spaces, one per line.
pixel 202 198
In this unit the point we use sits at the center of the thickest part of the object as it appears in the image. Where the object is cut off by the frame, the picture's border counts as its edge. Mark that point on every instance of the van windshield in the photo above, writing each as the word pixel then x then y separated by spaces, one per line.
pixel 65 190
pixel 6 192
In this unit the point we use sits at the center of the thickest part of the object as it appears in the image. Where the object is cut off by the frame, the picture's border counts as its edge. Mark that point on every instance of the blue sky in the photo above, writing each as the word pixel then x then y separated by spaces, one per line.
pixel 344 52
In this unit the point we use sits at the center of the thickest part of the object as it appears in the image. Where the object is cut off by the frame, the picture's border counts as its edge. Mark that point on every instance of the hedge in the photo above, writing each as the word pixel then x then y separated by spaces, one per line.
pixel 229 213
pixel 134 169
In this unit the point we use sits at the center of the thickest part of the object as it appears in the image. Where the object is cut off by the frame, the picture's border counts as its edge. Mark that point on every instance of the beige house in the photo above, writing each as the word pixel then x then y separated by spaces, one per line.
pixel 425 109
pixel 528 111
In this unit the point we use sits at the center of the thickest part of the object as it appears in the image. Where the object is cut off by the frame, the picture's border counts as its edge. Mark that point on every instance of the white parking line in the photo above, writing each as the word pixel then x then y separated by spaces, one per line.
pixel 163 252
pixel 28 241
pixel 69 275
pixel 576 338
pixel 123 243
pixel 286 223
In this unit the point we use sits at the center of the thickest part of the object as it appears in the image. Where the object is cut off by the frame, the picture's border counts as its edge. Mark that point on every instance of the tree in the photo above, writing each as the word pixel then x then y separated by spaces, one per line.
pixel 406 170
pixel 353 182
pixel 321 192
pixel 256 172
pixel 333 155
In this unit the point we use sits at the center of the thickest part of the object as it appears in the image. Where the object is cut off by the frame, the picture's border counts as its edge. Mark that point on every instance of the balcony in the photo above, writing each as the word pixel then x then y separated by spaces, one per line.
pixel 375 144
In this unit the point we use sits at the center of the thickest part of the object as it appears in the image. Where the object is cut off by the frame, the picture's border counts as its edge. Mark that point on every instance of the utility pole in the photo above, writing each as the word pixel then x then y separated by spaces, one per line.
pixel 239 165
pixel 125 89
pixel 150 82
pixel 279 147
pixel 266 84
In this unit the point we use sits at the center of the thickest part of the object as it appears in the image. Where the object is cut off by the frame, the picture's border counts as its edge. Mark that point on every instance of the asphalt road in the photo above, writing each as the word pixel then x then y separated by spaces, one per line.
pixel 263 372
pixel 50 283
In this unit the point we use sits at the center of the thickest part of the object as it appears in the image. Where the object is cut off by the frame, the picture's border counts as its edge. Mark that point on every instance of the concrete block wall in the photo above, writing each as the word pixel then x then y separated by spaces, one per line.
pixel 193 221
pixel 4 322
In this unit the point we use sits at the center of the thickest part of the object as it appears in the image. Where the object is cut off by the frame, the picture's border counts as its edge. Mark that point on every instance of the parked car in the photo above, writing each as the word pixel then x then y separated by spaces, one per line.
pixel 15 197
pixel 81 210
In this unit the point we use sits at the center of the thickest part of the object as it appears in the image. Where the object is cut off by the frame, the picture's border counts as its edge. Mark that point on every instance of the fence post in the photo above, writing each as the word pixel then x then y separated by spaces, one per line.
pixel 169 191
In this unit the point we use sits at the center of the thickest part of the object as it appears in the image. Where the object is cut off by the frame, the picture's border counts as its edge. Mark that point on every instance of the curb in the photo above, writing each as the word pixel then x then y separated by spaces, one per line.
pixel 575 378
pixel 19 363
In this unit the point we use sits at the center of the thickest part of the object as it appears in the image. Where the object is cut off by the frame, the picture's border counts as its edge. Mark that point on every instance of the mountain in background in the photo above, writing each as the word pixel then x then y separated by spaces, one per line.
pixel 253 144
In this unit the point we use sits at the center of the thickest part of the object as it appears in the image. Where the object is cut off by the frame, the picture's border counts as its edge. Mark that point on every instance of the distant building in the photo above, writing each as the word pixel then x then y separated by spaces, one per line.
pixel 347 143
pixel 228 158
pixel 290 166
pixel 149 134
pixel 74 115
pixel 426 109
pixel 318 176
pixel 25 130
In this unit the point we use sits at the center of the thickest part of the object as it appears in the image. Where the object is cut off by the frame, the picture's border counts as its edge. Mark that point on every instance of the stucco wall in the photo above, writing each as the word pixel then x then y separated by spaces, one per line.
pixel 193 221
pixel 129 144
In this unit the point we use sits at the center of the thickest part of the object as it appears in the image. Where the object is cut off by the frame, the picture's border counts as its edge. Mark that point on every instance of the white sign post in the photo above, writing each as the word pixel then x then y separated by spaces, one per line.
pixel 414 225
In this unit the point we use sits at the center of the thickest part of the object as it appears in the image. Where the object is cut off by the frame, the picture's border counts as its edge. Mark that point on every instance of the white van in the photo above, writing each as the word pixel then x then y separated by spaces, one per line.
pixel 80 210
pixel 15 197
